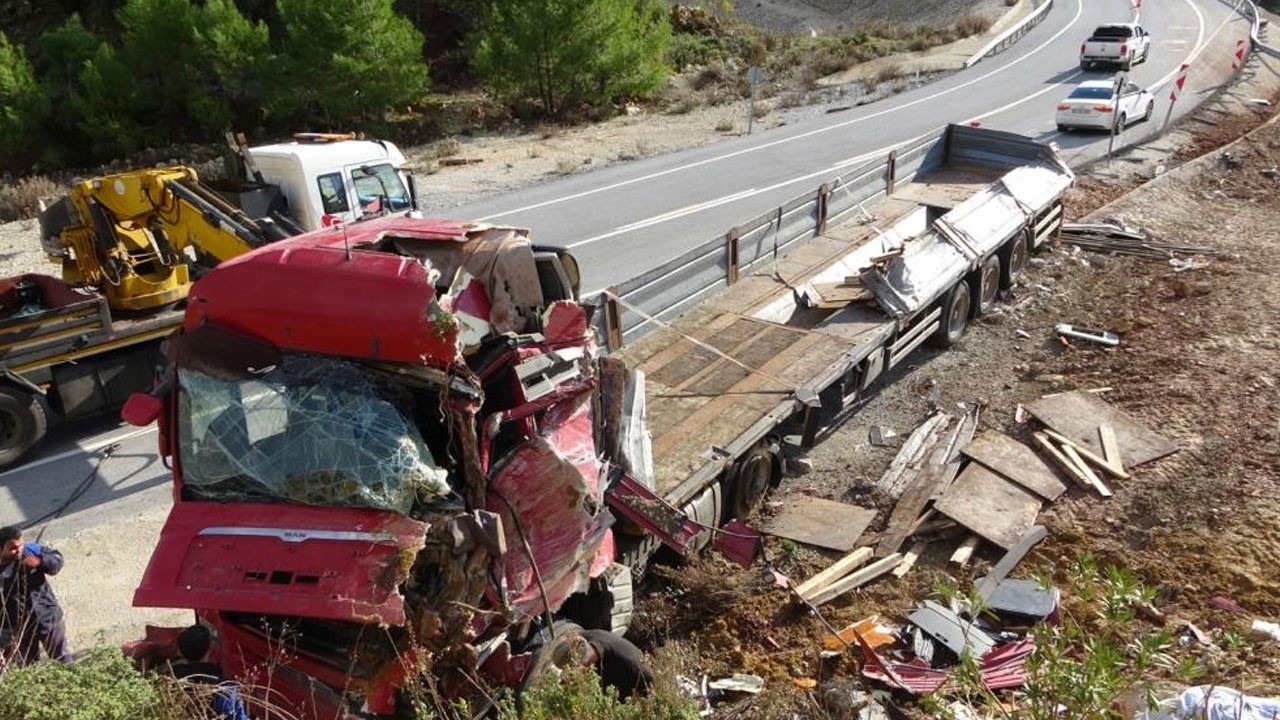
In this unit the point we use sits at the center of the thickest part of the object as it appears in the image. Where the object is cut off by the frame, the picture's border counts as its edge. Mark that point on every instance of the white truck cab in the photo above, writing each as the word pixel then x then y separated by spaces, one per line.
pixel 327 179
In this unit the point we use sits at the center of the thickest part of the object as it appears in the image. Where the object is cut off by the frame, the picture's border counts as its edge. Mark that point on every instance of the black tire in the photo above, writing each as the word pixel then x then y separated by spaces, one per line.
pixel 1151 107
pixel 1013 260
pixel 988 286
pixel 1122 122
pixel 1084 66
pixel 1063 128
pixel 955 317
pixel 749 482
pixel 1126 65
pixel 23 423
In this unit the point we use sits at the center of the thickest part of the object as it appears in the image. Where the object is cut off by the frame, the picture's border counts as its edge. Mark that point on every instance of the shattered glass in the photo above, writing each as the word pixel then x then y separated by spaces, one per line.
pixel 310 430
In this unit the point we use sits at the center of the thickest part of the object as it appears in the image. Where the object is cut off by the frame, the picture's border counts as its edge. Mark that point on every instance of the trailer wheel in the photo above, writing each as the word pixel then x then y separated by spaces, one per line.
pixel 988 286
pixel 955 317
pixel 1013 260
pixel 749 482
pixel 23 423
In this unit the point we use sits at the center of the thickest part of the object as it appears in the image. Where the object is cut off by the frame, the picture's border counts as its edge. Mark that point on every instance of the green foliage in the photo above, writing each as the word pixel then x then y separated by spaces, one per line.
pixel 688 51
pixel 102 686
pixel 23 106
pixel 104 107
pixel 346 60
pixel 561 54
pixel 158 45
pixel 64 58
pixel 234 54
pixel 577 693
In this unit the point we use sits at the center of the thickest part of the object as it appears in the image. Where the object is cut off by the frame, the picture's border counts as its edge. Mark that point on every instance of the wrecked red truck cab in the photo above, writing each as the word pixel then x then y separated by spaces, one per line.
pixel 384 448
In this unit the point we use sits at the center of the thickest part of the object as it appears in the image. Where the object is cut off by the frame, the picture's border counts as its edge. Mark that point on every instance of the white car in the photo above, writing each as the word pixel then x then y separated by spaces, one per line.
pixel 1096 104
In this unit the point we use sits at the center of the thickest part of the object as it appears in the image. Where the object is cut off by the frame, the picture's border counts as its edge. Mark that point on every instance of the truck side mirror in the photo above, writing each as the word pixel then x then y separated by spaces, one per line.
pixel 141 409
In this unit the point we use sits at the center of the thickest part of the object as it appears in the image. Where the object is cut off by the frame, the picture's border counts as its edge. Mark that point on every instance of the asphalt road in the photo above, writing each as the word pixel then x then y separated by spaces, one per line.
pixel 623 219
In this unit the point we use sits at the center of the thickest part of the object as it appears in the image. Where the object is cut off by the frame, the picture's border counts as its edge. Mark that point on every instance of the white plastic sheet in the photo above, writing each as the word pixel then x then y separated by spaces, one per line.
pixel 1208 702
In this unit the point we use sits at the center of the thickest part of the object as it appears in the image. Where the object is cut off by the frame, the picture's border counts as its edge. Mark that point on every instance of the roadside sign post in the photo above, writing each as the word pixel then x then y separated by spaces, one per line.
pixel 754 77
pixel 1116 87
pixel 1173 94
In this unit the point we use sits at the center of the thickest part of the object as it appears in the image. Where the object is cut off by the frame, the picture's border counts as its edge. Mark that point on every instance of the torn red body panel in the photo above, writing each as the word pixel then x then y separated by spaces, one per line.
pixel 552 484
pixel 337 563
pixel 645 508
pixel 1001 668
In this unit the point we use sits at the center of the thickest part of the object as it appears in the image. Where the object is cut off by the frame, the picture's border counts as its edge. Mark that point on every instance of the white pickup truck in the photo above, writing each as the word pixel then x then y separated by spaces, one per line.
pixel 1122 44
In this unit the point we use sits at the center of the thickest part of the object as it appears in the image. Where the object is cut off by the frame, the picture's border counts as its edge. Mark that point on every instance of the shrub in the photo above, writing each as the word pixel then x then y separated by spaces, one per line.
pixel 577 693
pixel 23 107
pixel 101 686
pixel 688 51
pixel 22 199
pixel 344 61
pixel 971 24
pixel 560 54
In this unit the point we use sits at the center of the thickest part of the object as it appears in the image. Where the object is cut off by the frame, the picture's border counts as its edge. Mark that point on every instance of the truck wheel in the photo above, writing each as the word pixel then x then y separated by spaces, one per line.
pixel 1013 260
pixel 23 423
pixel 750 481
pixel 988 286
pixel 955 317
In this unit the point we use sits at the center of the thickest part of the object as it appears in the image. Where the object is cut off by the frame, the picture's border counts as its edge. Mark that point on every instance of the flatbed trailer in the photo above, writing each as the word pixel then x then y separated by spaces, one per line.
pixel 64 355
pixel 806 332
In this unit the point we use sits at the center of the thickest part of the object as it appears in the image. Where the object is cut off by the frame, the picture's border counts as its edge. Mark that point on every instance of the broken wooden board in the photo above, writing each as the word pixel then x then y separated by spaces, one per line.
pixel 841 294
pixel 820 522
pixel 855 580
pixel 1089 474
pixel 1077 415
pixel 834 572
pixel 1033 535
pixel 1063 461
pixel 989 505
pixel 1015 461
pixel 934 473
pixel 1110 447
pixel 1086 454
pixel 964 551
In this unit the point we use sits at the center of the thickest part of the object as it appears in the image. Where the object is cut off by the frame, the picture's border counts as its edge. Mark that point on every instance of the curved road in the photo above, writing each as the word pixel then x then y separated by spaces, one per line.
pixel 623 219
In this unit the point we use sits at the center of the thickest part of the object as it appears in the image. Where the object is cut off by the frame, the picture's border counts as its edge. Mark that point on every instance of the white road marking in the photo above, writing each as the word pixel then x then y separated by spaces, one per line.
pixel 782 141
pixel 86 450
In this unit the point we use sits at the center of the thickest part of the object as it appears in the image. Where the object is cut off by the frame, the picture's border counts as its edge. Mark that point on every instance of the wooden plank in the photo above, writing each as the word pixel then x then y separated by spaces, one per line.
pixel 1077 416
pixel 857 579
pixel 1033 535
pixel 1110 446
pixel 962 436
pixel 989 505
pixel 1015 461
pixel 835 571
pixel 1063 462
pixel 821 522
pixel 840 294
pixel 1086 454
pixel 1088 472
pixel 909 560
pixel 911 453
pixel 964 552
pixel 935 473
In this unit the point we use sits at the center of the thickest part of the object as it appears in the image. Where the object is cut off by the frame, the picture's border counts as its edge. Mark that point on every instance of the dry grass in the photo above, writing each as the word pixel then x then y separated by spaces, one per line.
pixel 888 73
pixel 971 24
pixel 443 148
pixel 21 200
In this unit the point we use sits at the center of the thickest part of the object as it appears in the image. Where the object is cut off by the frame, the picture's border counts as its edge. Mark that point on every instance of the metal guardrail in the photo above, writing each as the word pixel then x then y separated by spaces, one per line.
pixel 1250 10
pixel 639 305
pixel 1007 38
pixel 663 294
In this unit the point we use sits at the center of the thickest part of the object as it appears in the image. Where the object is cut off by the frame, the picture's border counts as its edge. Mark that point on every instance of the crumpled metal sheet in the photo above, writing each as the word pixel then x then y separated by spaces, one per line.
pixel 553 485
pixel 1001 668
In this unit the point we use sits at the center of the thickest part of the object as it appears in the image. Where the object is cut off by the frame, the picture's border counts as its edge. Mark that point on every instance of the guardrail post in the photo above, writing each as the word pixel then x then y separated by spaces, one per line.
pixel 891 172
pixel 731 256
pixel 612 322
pixel 824 192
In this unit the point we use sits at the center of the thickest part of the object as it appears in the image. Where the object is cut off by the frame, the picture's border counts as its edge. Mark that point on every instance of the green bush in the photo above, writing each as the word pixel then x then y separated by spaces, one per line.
pixel 101 686
pixel 59 57
pixel 693 50
pixel 235 54
pixel 577 693
pixel 105 106
pixel 23 106
pixel 346 60
pixel 158 45
pixel 561 54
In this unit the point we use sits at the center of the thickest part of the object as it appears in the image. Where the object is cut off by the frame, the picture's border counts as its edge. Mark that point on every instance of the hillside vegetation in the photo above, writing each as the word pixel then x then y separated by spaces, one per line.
pixel 85 83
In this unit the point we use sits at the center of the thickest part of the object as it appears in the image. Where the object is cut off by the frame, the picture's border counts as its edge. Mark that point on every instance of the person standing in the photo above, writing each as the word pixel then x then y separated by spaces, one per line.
pixel 31 617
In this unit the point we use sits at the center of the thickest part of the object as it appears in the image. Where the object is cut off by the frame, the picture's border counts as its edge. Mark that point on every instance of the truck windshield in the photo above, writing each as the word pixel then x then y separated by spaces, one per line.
pixel 309 430
pixel 374 182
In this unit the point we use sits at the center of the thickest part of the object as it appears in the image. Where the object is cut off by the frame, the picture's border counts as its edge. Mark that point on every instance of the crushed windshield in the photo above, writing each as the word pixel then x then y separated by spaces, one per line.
pixel 311 430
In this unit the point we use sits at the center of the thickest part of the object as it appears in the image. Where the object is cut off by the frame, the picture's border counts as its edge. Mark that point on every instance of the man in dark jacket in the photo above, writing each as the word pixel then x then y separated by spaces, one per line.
pixel 620 663
pixel 31 618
